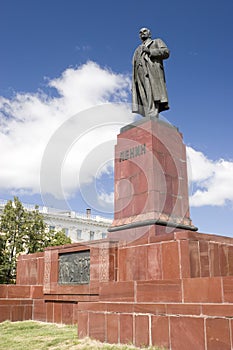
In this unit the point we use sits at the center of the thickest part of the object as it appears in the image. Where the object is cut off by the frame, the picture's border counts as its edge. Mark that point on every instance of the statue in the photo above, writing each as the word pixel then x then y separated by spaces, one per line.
pixel 149 93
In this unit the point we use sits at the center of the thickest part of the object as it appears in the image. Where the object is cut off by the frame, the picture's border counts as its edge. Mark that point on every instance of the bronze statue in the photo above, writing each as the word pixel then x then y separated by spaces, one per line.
pixel 149 93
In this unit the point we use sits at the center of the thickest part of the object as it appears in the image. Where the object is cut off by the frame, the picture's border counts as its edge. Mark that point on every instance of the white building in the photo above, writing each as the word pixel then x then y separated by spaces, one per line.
pixel 79 227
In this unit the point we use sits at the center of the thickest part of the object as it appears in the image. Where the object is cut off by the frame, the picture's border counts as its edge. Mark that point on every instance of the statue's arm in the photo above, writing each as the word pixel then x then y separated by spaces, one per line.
pixel 161 51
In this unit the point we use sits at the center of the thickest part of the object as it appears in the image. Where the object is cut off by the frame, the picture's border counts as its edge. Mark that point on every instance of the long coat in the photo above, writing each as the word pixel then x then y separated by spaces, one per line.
pixel 152 67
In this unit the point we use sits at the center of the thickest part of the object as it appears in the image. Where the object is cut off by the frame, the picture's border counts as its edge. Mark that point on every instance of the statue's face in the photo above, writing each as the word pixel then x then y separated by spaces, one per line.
pixel 144 34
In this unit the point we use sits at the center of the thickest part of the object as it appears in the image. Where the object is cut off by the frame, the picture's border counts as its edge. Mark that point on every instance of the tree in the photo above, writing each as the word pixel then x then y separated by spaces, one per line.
pixel 23 232
pixel 2 260
pixel 36 232
pixel 13 229
pixel 58 238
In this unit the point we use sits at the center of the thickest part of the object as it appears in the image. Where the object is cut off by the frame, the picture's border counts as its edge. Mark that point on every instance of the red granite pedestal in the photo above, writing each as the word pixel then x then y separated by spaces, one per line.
pixel 151 184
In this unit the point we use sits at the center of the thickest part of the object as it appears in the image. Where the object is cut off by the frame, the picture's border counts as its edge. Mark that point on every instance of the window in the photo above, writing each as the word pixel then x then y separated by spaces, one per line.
pixel 51 228
pixel 104 235
pixel 92 234
pixel 79 234
pixel 66 231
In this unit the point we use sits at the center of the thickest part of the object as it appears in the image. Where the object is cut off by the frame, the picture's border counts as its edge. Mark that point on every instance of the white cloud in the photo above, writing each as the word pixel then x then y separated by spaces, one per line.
pixel 212 180
pixel 28 123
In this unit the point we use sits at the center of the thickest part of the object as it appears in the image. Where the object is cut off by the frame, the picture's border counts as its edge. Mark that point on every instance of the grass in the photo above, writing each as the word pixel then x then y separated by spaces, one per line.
pixel 31 335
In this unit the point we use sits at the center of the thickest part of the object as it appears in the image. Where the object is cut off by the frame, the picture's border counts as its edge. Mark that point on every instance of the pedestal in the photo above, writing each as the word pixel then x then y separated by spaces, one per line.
pixel 151 184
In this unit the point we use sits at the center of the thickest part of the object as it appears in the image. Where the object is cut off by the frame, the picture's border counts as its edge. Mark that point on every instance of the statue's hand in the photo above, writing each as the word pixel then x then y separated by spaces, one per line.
pixel 145 50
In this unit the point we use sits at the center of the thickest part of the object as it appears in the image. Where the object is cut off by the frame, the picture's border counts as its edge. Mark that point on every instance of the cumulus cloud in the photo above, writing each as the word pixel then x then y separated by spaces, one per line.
pixel 28 123
pixel 212 180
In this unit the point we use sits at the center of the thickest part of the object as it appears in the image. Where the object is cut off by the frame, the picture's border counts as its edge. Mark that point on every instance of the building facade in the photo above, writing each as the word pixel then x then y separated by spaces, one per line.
pixel 79 227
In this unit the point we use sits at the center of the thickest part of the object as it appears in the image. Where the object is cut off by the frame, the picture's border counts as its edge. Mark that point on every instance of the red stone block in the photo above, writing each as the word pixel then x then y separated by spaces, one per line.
pixel 187 333
pixel 3 291
pixel 139 203
pixel 218 334
pixel 159 291
pixel 183 309
pixel 68 313
pixel 126 329
pixel 113 328
pixel 199 290
pixel 170 260
pixel 141 330
pixel 133 263
pixel 218 310
pixel 160 331
pixel 95 306
pixel 156 178
pixel 194 258
pixel 122 204
pixel 32 272
pixel 94 264
pixel 17 313
pixel 39 310
pixel 15 291
pixel 171 168
pixel 178 186
pixel 97 326
pixel 9 302
pixel 127 210
pixel 204 259
pixel 54 267
pixel 5 313
pixel 28 269
pixel 49 312
pixel 57 310
pixel 75 314
pixel 120 307
pixel 153 203
pixel 223 259
pixel 227 289
pixel 117 291
pixel 37 292
pixel 177 206
pixel 154 262
pixel 168 179
pixel 169 204
pixel 112 267
pixel 159 147
pixel 230 260
pixel 185 208
pixel 82 324
pixel 214 260
pixel 139 182
pixel 40 271
pixel 152 308
pixel 21 271
pixel 74 290
pixel 184 259
pixel 124 188
pixel 27 312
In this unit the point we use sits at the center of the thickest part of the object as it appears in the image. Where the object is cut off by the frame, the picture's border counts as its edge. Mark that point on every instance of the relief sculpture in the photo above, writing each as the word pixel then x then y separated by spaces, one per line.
pixel 74 268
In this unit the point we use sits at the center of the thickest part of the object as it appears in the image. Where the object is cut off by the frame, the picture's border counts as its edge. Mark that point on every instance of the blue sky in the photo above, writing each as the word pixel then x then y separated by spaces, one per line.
pixel 51 50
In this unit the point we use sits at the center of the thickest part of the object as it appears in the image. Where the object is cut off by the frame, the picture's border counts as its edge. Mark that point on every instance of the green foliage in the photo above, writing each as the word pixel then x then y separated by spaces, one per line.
pixel 23 232
pixel 14 232
pixel 36 234
pixel 58 238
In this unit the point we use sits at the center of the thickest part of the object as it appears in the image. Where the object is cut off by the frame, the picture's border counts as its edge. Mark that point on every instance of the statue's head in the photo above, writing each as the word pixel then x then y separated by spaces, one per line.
pixel 144 33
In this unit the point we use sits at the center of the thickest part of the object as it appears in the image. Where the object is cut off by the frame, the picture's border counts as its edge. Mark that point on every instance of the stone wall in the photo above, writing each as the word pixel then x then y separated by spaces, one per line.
pixel 174 291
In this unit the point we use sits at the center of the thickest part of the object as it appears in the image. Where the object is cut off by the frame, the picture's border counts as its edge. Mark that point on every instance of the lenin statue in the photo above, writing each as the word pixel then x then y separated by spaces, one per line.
pixel 149 93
